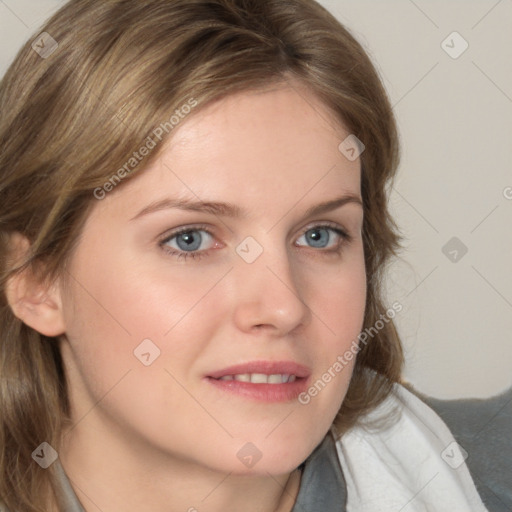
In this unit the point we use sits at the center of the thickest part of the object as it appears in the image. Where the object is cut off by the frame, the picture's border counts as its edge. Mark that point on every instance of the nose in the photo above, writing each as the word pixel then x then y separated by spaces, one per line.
pixel 268 295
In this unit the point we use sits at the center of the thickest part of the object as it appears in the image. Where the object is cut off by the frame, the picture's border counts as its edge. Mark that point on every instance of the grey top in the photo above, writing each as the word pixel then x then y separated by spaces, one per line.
pixel 482 427
pixel 322 486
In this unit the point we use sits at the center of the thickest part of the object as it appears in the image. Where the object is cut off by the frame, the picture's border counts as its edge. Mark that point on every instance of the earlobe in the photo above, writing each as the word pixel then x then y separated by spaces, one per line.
pixel 35 302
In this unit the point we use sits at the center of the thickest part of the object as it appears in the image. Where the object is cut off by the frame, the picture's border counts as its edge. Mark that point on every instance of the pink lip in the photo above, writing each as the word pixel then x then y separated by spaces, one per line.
pixel 263 392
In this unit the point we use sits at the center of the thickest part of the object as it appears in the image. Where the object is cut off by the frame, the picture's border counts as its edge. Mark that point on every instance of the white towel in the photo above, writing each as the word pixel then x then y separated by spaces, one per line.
pixel 412 464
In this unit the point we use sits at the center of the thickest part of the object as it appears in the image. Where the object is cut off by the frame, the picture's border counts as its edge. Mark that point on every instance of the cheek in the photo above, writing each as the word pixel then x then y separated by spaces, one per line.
pixel 123 314
pixel 340 297
pixel 339 305
pixel 123 320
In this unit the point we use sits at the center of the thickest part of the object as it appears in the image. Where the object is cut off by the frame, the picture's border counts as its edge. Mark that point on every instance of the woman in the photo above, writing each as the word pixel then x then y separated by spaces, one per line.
pixel 194 230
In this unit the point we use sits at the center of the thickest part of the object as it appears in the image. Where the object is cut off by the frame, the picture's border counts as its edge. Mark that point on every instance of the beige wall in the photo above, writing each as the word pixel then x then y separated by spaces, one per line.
pixel 455 179
pixel 455 117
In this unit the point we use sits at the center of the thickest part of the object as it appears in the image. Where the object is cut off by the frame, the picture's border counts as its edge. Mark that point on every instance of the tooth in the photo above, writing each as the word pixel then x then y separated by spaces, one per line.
pixel 243 377
pixel 275 379
pixel 227 377
pixel 259 378
pixel 285 378
pixel 292 378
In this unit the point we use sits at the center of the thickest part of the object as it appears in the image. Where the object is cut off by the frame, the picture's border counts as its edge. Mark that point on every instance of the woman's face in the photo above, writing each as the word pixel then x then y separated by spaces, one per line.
pixel 201 346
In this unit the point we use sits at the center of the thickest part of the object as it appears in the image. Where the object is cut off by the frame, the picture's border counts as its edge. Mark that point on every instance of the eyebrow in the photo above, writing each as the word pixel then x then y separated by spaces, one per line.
pixel 230 210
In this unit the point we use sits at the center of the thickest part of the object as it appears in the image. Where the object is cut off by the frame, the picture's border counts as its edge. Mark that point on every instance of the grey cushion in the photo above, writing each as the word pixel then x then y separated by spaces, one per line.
pixel 483 427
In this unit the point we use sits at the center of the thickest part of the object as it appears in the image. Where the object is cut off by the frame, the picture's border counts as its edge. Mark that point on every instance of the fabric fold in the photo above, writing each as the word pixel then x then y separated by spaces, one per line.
pixel 402 457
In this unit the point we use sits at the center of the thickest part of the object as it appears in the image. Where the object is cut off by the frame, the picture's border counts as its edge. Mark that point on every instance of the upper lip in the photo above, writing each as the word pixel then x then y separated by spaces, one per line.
pixel 264 367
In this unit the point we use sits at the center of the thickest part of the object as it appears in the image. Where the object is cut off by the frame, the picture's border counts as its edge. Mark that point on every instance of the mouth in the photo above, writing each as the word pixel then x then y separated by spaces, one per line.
pixel 265 381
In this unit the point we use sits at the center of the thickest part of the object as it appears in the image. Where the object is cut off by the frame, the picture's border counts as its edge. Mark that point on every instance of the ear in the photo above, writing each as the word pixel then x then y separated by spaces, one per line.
pixel 35 302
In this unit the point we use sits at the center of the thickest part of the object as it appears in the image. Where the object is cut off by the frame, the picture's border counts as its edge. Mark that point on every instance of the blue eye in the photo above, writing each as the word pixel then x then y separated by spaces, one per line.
pixel 320 237
pixel 186 242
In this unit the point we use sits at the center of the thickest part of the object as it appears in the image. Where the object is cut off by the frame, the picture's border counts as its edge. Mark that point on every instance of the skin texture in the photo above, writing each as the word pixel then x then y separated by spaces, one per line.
pixel 161 437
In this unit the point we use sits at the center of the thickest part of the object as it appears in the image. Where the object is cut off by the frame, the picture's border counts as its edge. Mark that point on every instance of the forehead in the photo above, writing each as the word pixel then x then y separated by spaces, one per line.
pixel 264 150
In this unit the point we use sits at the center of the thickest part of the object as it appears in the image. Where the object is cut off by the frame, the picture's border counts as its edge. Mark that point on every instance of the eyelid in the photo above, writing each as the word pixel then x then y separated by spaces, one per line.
pixel 327 224
pixel 184 229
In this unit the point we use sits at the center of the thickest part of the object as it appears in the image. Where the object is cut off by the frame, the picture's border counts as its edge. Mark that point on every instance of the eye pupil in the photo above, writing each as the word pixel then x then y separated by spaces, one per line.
pixel 318 237
pixel 189 241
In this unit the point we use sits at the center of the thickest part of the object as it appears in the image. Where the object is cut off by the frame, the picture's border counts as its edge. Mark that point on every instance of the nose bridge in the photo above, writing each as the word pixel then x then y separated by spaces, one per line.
pixel 268 291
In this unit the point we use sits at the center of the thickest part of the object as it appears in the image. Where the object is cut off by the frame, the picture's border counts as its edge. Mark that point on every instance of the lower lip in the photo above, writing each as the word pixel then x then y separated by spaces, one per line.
pixel 262 392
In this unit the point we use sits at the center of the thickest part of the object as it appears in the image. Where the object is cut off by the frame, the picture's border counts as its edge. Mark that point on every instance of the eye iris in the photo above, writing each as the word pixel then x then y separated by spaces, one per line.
pixel 318 237
pixel 189 241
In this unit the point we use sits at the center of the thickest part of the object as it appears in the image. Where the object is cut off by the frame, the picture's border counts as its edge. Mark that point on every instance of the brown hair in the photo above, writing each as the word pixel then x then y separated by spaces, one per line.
pixel 75 115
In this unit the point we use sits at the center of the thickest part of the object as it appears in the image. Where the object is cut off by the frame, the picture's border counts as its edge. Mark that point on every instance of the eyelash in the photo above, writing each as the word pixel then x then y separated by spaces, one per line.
pixel 197 255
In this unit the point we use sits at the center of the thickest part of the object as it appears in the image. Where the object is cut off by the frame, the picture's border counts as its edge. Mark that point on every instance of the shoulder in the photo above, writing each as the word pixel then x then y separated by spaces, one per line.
pixel 483 428
pixel 395 451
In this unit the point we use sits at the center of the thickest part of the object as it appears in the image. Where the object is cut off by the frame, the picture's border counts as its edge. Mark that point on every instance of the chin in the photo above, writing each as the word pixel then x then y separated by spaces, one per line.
pixel 276 455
